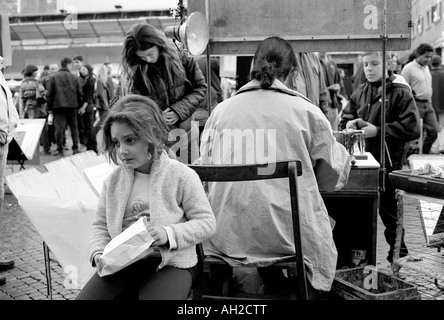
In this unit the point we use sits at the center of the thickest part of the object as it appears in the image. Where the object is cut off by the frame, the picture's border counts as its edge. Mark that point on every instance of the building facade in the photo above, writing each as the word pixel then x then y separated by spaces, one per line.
pixel 43 32
pixel 427 26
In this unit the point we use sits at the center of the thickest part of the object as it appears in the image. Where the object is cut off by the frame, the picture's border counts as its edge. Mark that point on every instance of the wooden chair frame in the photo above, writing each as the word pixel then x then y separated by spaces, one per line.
pixel 277 170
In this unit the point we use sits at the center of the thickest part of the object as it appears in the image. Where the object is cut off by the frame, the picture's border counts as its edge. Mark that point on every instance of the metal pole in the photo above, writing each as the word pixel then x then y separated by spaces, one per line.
pixel 207 15
pixel 383 105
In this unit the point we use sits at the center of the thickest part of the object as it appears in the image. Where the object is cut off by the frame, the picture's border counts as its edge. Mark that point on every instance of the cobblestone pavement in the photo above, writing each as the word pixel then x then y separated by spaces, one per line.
pixel 20 241
pixel 26 281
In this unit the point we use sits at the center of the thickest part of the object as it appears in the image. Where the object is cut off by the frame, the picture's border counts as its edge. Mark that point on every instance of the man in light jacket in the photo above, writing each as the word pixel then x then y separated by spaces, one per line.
pixel 8 122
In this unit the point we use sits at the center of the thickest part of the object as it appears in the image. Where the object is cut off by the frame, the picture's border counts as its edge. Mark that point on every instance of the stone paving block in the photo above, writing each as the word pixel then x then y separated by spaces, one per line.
pixel 29 290
pixel 71 296
pixel 23 286
pixel 31 281
pixel 40 298
pixel 24 297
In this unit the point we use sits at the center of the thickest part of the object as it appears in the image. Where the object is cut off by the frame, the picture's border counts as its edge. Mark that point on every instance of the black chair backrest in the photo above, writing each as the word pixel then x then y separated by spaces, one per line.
pixel 245 172
pixel 276 170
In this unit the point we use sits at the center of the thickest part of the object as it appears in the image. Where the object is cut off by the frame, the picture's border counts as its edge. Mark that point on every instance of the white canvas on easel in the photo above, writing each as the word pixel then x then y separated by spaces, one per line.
pixel 95 175
pixel 61 204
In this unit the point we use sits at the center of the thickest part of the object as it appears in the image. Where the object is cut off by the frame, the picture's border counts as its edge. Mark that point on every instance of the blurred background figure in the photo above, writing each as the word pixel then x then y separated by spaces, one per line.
pixel 332 82
pixel 110 81
pixel 438 101
pixel 53 68
pixel 64 97
pixel 77 62
pixel 45 76
pixel 87 109
pixel 104 90
pixel 308 79
pixel 33 102
pixel 417 74
pixel 393 64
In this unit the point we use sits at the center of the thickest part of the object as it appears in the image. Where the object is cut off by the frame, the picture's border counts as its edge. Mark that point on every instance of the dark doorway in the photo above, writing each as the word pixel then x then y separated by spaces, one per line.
pixel 348 79
pixel 243 67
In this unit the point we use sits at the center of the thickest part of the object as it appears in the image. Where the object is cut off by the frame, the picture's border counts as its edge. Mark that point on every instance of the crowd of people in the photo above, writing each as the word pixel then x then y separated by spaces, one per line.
pixel 299 96
pixel 72 97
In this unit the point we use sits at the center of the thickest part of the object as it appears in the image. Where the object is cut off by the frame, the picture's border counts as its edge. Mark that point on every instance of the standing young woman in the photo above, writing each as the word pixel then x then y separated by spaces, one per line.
pixel 103 92
pixel 154 67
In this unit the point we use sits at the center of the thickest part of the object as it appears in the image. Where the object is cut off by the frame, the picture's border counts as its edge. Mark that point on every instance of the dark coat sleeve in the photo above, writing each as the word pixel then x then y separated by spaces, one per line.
pixel 79 92
pixel 350 112
pixel 195 89
pixel 50 94
pixel 404 124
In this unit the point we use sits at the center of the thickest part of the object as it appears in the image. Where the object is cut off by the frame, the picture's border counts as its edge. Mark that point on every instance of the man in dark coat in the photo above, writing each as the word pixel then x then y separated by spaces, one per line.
pixel 64 98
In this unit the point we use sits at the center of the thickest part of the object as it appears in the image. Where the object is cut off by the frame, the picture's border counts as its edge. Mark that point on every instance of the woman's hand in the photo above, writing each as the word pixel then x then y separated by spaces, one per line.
pixel 170 116
pixel 159 235
pixel 82 110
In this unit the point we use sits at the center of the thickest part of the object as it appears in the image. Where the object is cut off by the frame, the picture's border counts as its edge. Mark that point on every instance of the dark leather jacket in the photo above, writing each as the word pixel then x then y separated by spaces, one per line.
pixel 402 117
pixel 183 96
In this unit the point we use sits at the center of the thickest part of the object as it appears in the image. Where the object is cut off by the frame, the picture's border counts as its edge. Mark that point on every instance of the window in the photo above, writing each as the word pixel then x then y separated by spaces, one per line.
pixel 419 25
pixel 436 12
pixel 429 17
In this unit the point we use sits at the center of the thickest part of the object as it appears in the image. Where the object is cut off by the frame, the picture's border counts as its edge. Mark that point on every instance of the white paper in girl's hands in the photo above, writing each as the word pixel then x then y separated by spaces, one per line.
pixel 130 246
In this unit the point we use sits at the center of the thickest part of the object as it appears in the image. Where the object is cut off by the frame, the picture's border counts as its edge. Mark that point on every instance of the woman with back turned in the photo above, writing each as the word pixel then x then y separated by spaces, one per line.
pixel 254 218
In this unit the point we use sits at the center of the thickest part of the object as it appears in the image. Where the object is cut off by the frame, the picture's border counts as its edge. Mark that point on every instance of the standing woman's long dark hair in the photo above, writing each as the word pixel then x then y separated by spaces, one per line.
pixel 274 59
pixel 141 37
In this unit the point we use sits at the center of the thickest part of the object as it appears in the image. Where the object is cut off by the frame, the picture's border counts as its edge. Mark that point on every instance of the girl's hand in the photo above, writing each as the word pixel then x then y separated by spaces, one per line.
pixel 138 216
pixel 159 235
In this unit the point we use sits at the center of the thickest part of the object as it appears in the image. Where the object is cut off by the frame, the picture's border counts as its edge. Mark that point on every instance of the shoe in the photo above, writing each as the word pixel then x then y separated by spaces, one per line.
pixel 75 151
pixel 7 189
pixel 47 152
pixel 6 264
pixel 57 153
pixel 401 255
pixel 2 280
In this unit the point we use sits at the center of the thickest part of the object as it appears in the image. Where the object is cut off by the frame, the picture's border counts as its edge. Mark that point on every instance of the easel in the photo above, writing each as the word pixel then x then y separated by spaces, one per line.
pixel 26 142
pixel 15 153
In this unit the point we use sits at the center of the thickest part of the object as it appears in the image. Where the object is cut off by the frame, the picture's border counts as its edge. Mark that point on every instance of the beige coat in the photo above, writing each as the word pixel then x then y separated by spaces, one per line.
pixel 8 114
pixel 253 218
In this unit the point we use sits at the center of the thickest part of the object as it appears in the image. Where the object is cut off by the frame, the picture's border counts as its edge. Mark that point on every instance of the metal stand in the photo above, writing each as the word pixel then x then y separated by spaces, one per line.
pixel 46 253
